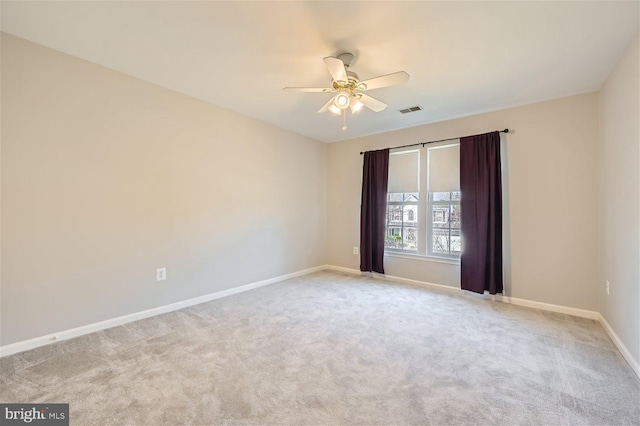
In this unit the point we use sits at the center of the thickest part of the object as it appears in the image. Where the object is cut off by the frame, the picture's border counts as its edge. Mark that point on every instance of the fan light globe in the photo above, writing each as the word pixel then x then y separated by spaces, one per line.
pixel 334 109
pixel 356 105
pixel 341 101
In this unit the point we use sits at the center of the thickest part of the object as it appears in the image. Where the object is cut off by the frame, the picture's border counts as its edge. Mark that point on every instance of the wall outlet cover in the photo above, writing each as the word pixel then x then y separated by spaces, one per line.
pixel 161 274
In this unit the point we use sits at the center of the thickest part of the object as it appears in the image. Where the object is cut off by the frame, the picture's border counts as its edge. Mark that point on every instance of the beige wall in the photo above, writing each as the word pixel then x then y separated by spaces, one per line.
pixel 550 199
pixel 106 178
pixel 619 154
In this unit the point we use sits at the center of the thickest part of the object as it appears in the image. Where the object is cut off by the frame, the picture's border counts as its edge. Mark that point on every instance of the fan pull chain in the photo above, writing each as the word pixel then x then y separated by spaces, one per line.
pixel 344 119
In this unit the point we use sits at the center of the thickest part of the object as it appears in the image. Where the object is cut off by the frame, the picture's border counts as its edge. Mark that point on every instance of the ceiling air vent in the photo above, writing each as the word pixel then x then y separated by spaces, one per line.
pixel 410 110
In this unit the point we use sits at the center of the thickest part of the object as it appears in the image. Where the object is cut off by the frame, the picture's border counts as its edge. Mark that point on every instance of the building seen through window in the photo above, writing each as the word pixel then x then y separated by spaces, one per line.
pixel 402 224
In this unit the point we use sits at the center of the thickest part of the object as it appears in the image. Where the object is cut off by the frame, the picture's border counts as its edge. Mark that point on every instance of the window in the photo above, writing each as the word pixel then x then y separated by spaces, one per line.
pixel 443 201
pixel 402 230
pixel 423 202
pixel 444 229
pixel 402 227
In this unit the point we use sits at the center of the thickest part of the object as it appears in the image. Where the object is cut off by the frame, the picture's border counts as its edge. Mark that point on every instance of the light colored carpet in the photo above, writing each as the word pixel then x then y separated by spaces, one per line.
pixel 329 348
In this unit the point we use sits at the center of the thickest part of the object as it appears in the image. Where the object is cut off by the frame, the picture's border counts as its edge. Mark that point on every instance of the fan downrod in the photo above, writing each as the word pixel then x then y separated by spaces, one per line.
pixel 346 58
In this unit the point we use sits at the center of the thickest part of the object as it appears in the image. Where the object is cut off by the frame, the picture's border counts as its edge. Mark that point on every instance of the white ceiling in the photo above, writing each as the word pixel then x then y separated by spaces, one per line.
pixel 463 57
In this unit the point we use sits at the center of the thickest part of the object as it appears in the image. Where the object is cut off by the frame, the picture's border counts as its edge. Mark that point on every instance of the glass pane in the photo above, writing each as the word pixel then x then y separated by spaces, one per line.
pixel 394 215
pixel 440 216
pixel 410 215
pixel 395 197
pixel 445 217
pixel 456 242
pixel 402 221
pixel 454 218
pixel 411 196
pixel 441 196
pixel 410 238
pixel 440 241
pixel 393 239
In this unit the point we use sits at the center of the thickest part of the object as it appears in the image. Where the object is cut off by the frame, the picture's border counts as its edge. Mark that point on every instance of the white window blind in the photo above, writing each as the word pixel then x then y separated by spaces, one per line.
pixel 444 168
pixel 403 171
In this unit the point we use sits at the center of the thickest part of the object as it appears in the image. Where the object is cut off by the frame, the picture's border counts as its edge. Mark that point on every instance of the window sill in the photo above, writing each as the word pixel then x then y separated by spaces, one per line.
pixel 422 258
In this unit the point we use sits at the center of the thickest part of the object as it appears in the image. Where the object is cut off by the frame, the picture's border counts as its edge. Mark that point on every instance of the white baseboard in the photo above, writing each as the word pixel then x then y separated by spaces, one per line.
pixel 345 270
pixel 113 322
pixel 576 312
pixel 90 328
pixel 633 363
pixel 393 279
pixel 582 313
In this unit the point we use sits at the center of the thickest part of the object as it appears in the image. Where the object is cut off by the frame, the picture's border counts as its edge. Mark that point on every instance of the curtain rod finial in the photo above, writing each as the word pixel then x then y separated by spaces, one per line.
pixel 505 131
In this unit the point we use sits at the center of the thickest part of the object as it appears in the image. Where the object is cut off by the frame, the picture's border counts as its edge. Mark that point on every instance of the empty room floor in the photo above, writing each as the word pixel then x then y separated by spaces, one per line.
pixel 331 348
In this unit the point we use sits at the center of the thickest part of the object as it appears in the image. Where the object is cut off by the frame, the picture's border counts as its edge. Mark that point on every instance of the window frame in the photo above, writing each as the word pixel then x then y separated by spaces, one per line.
pixel 429 203
pixel 423 253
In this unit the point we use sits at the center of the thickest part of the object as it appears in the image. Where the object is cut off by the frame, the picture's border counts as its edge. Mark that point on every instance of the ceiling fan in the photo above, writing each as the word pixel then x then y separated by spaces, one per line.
pixel 348 87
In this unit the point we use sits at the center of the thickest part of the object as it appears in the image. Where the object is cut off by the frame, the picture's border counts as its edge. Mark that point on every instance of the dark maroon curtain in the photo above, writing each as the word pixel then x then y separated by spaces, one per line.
pixel 373 208
pixel 481 205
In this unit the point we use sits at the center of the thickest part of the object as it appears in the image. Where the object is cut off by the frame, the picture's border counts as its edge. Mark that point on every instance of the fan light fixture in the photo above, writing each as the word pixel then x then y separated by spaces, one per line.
pixel 341 100
pixel 334 109
pixel 355 103
pixel 346 86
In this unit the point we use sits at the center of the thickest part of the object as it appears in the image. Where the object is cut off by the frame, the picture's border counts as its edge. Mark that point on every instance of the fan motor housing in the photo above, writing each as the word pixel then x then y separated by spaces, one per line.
pixel 351 84
pixel 346 58
pixel 352 76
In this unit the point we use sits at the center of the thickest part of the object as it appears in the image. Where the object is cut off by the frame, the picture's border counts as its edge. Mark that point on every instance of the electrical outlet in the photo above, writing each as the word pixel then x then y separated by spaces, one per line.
pixel 608 287
pixel 356 250
pixel 161 274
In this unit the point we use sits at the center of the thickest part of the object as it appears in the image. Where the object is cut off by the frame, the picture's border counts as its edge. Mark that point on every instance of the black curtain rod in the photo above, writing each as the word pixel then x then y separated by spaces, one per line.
pixel 441 140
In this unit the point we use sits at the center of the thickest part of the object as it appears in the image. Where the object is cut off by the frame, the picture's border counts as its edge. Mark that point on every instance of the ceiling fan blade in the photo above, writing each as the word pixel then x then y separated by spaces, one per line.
pixel 372 103
pixel 336 69
pixel 326 106
pixel 308 89
pixel 384 81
